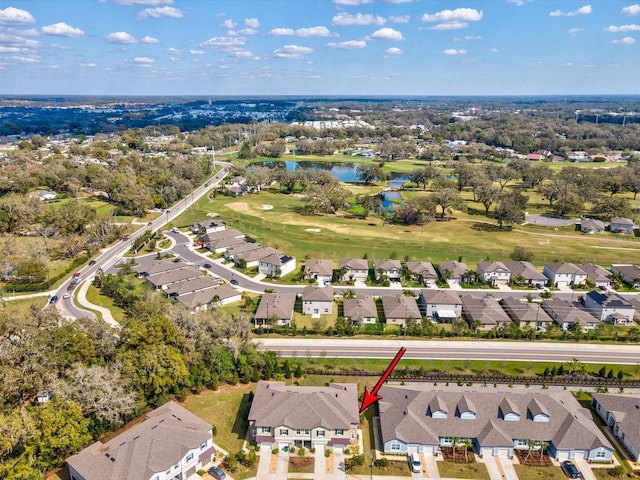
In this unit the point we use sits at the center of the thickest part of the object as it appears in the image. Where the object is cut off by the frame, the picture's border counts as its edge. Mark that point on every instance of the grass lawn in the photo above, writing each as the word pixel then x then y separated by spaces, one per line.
pixel 463 470
pixel 95 297
pixel 21 307
pixel 227 409
pixel 526 472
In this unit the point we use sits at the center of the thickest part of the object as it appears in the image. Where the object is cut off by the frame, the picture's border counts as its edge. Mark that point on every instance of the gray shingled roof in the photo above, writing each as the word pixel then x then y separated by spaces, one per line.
pixel 485 309
pixel 354 264
pixel 387 265
pixel 425 269
pixel 595 272
pixel 404 416
pixel 319 267
pixel 152 446
pixel 313 293
pixel 564 268
pixel 563 311
pixel 524 312
pixel 457 269
pixel 400 306
pixel 332 407
pixel 440 297
pixel 525 270
pixel 361 307
pixel 185 273
pixel 626 409
pixel 278 304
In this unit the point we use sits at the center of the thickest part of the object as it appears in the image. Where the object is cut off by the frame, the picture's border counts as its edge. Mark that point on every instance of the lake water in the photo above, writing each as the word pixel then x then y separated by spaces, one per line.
pixel 388 199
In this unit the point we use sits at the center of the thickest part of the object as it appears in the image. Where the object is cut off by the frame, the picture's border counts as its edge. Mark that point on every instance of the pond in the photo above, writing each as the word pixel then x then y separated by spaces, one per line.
pixel 390 198
pixel 341 171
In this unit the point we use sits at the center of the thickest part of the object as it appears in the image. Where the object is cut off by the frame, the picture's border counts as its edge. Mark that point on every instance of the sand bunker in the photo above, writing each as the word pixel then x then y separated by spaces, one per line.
pixel 267 207
pixel 312 230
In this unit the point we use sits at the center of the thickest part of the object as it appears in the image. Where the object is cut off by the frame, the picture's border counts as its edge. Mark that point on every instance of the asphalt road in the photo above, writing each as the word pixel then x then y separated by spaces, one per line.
pixel 453 350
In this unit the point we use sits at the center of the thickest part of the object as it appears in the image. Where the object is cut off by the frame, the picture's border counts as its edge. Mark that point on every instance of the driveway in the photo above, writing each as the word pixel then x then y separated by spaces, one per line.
pixel 585 469
pixel 550 220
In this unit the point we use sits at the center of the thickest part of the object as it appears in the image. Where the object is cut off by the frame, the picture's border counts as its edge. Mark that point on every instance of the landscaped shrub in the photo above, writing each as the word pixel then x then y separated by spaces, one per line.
pixel 275 451
pixel 616 471
pixel 292 449
pixel 327 453
pixel 302 452
pixel 381 462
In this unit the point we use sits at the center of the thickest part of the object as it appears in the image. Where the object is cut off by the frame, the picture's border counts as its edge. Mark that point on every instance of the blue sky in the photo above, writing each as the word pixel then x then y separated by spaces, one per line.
pixel 319 47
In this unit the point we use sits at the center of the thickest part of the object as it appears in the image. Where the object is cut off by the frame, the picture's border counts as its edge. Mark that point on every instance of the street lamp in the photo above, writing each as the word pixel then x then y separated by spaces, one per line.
pixel 370 455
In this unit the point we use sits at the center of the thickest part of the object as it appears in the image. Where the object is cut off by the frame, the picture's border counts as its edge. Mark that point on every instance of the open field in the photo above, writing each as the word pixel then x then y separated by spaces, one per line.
pixel 470 235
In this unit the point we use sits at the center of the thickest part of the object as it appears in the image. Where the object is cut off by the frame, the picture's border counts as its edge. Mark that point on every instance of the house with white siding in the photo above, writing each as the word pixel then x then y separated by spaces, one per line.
pixel 621 413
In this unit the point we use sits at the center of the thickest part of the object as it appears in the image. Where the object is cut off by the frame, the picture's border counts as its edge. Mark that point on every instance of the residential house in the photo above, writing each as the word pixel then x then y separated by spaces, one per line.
pixel 163 266
pixel 354 270
pixel 423 272
pixel 317 300
pixel 525 314
pixel 276 307
pixel 597 275
pixel 440 305
pixel 319 270
pixel 207 226
pixel 453 271
pixel 170 443
pixel 233 253
pixel 635 303
pixel 420 418
pixel 220 241
pixel 237 186
pixel 591 225
pixel 610 308
pixel 276 265
pixel 163 280
pixel 525 272
pixel 621 413
pixel 202 282
pixel 483 313
pixel 400 308
pixel 251 258
pixel 630 274
pixel 495 273
pixel 566 314
pixel 389 269
pixel 360 310
pixel 283 416
pixel 564 274
pixel 621 225
pixel 210 298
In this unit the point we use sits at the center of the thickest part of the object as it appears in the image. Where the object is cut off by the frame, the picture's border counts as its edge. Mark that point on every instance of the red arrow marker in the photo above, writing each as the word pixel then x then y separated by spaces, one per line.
pixel 371 397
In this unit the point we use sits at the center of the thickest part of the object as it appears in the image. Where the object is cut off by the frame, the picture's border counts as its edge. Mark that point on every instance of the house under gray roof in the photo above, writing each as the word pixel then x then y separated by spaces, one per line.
pixel 279 305
pixel 359 308
pixel 424 269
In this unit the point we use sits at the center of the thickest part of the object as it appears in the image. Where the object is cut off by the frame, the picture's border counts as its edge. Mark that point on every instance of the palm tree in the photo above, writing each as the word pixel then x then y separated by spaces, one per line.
pixel 454 442
pixel 467 444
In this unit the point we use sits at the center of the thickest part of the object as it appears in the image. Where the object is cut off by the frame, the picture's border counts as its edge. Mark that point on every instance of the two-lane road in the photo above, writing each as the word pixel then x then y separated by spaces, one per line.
pixel 453 350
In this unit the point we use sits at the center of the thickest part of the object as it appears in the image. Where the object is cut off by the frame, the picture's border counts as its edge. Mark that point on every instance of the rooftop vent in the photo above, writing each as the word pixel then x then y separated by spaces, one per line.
pixel 113 459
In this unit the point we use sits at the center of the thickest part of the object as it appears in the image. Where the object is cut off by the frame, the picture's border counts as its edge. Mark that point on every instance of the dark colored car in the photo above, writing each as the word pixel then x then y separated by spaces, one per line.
pixel 233 281
pixel 53 299
pixel 207 265
pixel 570 469
pixel 92 262
pixel 215 472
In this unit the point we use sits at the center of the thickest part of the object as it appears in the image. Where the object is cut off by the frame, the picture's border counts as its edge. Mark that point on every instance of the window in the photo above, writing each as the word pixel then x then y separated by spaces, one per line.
pixel 284 431
pixel 601 454
pixel 168 472
pixel 321 433
pixel 395 447
pixel 520 443
pixel 203 446
pixel 189 457
pixel 266 429
pixel 175 467
pixel 339 431
pixel 298 432
pixel 445 440
pixel 306 432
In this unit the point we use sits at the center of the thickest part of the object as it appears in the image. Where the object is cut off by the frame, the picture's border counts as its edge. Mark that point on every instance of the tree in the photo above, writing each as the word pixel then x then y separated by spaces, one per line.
pixel 521 254
pixel 422 176
pixel 448 200
pixel 487 194
pixel 416 211
pixel 511 208
pixel 606 207
pixel 369 172
pixel 369 203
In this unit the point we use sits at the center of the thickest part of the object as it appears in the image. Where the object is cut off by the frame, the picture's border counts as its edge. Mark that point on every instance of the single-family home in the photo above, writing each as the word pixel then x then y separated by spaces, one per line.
pixel 237 186
pixel 360 310
pixel 525 314
pixel 233 253
pixel 453 271
pixel 420 418
pixel 354 269
pixel 621 413
pixel 423 272
pixel 591 225
pixel 400 308
pixel 483 313
pixel 170 443
pixel 610 308
pixel 621 225
pixel 197 284
pixel 389 269
pixel 495 273
pixel 566 314
pixel 597 275
pixel 277 265
pixel 163 280
pixel 251 257
pixel 319 270
pixel 210 298
pixel 146 269
pixel 317 300
pixel 525 273
pixel 276 308
pixel 630 274
pixel 283 416
pixel 207 226
pixel 219 241
pixel 440 305
pixel 564 274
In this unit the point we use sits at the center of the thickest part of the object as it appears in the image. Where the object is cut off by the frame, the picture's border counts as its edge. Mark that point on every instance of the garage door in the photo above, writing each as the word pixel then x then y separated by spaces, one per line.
pixel 191 471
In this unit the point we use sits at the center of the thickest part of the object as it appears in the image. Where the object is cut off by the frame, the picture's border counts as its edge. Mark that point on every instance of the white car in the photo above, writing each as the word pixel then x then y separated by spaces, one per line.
pixel 66 295
pixel 414 462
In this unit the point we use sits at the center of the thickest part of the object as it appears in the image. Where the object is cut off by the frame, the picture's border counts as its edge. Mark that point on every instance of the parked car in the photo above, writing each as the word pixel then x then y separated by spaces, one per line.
pixel 414 462
pixel 175 230
pixel 570 469
pixel 53 299
pixel 217 473
pixel 233 281
pixel 149 224
pixel 207 265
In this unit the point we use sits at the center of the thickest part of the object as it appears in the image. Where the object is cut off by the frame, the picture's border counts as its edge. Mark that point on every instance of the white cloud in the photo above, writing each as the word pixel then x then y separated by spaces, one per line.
pixel 343 19
pixel 450 26
pixel 453 51
pixel 573 31
pixel 61 29
pixel 241 53
pixel 173 51
pixel 13 40
pixel 139 2
pixel 348 44
pixel 623 28
pixel 21 59
pixel 168 12
pixel 625 41
pixel 457 15
pixel 149 40
pixel 196 52
pixel 468 38
pixel 4 49
pixel 393 51
pixel 519 3
pixel 251 22
pixel 120 37
pixel 143 60
pixel 228 23
pixel 387 34
pixel 585 10
pixel 631 10
pixel 352 2
pixel 224 42
pixel 15 16
pixel 399 19
pixel 318 31
pixel 88 65
pixel 292 52
pixel 494 50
